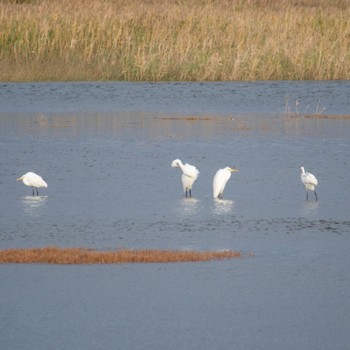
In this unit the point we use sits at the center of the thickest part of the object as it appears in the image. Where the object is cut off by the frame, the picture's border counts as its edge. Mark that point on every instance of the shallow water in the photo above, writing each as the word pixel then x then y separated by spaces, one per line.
pixel 105 150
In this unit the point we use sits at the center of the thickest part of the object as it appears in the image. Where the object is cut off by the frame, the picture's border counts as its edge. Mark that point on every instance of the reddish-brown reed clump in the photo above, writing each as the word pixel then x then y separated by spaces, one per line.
pixel 56 255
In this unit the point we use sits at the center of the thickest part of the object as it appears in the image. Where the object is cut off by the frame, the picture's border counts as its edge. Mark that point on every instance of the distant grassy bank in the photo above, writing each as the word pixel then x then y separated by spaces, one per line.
pixel 156 40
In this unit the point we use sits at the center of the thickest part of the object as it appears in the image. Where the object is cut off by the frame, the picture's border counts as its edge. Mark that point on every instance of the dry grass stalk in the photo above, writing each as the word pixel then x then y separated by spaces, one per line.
pixel 55 255
pixel 158 40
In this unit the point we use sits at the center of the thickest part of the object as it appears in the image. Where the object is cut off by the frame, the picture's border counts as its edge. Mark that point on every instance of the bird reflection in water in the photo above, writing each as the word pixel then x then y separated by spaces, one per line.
pixel 223 206
pixel 32 204
pixel 189 206
pixel 310 208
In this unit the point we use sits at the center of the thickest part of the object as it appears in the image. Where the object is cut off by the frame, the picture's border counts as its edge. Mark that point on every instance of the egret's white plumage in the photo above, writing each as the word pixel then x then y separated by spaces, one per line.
pixel 189 175
pixel 310 182
pixel 220 179
pixel 33 180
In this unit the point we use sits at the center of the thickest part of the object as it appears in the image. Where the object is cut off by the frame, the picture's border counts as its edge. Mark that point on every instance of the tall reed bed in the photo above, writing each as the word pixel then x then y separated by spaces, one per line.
pixel 158 40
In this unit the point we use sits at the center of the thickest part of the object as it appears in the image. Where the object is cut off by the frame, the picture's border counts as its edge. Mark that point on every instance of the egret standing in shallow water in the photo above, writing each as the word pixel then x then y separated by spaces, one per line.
pixel 220 179
pixel 310 182
pixel 33 180
pixel 189 175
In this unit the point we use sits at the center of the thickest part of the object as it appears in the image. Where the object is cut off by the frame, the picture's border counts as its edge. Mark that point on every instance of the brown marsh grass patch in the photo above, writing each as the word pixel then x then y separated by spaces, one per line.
pixel 325 116
pixel 56 122
pixel 319 116
pixel 190 119
pixel 84 256
pixel 233 123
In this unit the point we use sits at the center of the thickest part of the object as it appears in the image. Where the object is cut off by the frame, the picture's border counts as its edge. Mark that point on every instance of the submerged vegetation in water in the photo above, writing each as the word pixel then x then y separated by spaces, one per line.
pixel 174 40
pixel 55 255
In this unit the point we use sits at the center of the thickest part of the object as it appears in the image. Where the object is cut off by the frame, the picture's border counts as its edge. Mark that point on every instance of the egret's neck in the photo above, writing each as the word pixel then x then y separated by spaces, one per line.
pixel 181 166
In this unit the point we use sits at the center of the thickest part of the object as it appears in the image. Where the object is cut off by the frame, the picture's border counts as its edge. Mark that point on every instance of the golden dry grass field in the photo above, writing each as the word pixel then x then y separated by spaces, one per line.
pixel 156 40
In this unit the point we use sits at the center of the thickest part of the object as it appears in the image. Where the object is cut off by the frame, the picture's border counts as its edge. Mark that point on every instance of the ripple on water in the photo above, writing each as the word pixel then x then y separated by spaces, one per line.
pixel 32 204
pixel 163 233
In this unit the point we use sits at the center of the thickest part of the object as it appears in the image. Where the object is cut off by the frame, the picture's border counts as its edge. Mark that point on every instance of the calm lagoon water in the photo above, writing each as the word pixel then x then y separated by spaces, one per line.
pixel 105 150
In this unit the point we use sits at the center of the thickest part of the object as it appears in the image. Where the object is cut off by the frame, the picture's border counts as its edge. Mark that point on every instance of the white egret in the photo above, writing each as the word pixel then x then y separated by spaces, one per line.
pixel 33 180
pixel 220 179
pixel 310 182
pixel 189 175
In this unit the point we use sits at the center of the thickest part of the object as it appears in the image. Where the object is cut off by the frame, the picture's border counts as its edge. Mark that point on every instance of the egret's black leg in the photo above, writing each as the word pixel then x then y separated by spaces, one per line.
pixel 33 191
pixel 186 193
pixel 307 196
pixel 316 195
pixel 190 192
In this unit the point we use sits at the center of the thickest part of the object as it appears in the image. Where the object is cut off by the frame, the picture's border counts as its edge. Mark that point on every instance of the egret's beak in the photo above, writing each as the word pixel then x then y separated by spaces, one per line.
pixel 20 178
pixel 233 170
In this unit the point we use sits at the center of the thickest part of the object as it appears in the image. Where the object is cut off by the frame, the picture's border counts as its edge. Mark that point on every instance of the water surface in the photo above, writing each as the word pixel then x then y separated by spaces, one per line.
pixel 105 150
